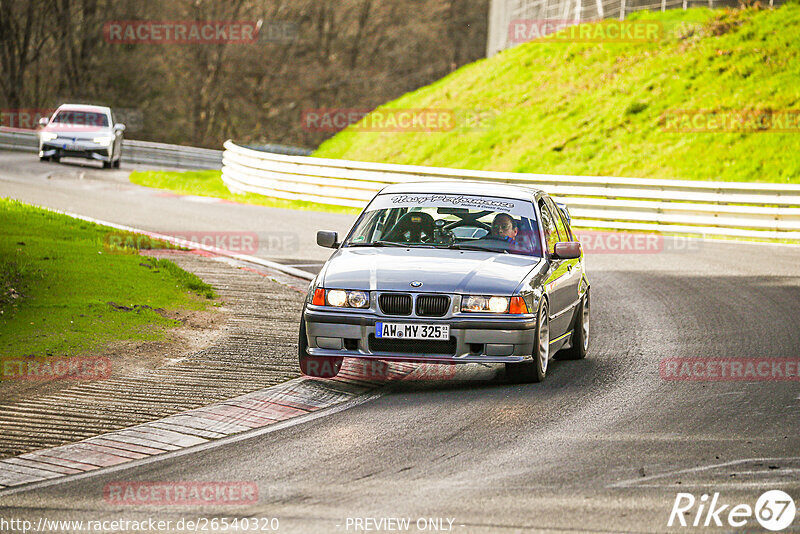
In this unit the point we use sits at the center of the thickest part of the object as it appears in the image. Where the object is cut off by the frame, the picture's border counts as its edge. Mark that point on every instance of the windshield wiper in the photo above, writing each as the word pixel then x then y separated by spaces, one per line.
pixel 379 244
pixel 462 246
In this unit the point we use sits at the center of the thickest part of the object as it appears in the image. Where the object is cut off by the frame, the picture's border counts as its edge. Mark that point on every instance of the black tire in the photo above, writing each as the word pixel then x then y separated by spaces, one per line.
pixel 44 158
pixel 55 159
pixel 317 366
pixel 580 332
pixel 534 370
pixel 106 164
pixel 116 163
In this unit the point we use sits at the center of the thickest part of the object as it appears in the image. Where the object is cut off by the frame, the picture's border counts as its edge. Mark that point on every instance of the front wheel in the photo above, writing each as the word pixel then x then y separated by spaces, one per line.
pixel 44 158
pixel 534 370
pixel 317 366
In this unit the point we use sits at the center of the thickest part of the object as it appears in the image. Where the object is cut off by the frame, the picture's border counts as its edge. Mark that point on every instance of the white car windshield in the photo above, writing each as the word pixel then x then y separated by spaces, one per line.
pixel 74 117
pixel 467 222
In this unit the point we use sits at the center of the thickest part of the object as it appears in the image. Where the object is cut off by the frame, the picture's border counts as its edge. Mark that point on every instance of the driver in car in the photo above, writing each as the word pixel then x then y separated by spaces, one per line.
pixel 504 228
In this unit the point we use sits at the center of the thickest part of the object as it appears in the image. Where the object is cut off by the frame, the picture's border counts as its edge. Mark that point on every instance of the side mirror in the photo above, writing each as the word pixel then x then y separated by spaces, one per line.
pixel 119 127
pixel 44 121
pixel 327 239
pixel 567 251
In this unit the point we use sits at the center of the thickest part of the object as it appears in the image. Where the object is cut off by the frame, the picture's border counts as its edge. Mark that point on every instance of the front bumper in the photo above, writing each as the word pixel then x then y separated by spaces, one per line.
pixel 86 150
pixel 479 339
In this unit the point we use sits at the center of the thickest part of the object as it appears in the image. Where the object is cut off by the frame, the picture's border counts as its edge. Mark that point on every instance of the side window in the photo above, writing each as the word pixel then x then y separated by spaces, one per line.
pixel 562 230
pixel 548 225
pixel 567 226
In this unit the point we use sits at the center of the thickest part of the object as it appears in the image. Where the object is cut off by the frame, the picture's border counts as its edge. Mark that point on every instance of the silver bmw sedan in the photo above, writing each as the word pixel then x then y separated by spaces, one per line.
pixel 450 272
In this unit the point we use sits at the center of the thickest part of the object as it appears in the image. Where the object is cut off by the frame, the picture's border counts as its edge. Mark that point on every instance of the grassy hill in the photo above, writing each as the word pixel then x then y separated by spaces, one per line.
pixel 602 109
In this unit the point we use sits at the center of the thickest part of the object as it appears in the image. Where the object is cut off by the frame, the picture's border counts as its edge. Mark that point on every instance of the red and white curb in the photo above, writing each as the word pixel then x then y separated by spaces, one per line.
pixel 242 417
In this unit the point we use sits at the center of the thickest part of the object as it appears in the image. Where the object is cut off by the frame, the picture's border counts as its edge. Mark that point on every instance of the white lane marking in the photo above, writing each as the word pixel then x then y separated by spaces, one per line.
pixel 764 484
pixel 635 482
pixel 323 412
pixel 303 264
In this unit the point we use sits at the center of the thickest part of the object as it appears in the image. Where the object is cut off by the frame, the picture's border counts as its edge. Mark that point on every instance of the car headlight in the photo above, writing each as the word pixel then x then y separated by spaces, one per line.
pixel 341 298
pixel 48 136
pixel 491 304
pixel 104 140
pixel 337 297
pixel 473 303
pixel 358 299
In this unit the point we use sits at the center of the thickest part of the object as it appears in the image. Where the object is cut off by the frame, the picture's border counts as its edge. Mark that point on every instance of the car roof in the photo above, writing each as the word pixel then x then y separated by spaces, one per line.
pixel 490 189
pixel 84 107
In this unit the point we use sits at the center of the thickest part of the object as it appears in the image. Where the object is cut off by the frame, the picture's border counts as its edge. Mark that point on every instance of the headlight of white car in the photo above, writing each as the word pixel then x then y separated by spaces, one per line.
pixel 48 136
pixel 104 140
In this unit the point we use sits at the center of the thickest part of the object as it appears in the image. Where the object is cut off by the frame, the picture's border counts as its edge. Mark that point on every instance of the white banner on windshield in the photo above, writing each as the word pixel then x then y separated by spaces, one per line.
pixel 437 200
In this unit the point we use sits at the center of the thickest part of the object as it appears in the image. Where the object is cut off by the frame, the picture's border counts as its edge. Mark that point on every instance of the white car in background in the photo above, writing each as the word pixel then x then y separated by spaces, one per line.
pixel 81 131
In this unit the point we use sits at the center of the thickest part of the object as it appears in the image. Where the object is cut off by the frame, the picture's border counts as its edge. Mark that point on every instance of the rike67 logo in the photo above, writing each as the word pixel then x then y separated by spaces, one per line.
pixel 774 510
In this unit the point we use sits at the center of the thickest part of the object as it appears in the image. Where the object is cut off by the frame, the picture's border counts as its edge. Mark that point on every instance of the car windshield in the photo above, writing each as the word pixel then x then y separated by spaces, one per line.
pixel 465 222
pixel 80 118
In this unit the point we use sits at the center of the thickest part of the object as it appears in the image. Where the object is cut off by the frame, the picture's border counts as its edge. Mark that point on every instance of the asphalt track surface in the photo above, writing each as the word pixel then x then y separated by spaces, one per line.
pixel 603 445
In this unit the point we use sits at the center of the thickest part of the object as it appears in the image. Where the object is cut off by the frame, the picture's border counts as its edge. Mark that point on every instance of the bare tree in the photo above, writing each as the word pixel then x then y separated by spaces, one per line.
pixel 23 36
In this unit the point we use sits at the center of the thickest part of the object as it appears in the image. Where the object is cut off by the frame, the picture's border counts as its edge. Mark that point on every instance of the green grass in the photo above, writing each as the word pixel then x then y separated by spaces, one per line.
pixel 210 184
pixel 59 277
pixel 598 109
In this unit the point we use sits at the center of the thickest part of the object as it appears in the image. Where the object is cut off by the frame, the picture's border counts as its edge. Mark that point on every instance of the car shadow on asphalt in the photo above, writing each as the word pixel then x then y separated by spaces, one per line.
pixel 561 374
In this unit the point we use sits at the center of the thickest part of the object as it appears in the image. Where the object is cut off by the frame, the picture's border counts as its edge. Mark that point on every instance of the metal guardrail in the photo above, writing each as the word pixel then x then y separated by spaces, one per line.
pixel 749 210
pixel 132 151
pixel 282 149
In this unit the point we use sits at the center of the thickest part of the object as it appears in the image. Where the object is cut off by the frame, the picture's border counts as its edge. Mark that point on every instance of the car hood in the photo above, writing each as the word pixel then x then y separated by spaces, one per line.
pixel 440 271
pixel 77 132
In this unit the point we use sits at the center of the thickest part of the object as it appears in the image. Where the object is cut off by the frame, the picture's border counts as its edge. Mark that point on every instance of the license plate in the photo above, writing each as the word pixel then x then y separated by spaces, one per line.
pixel 439 332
